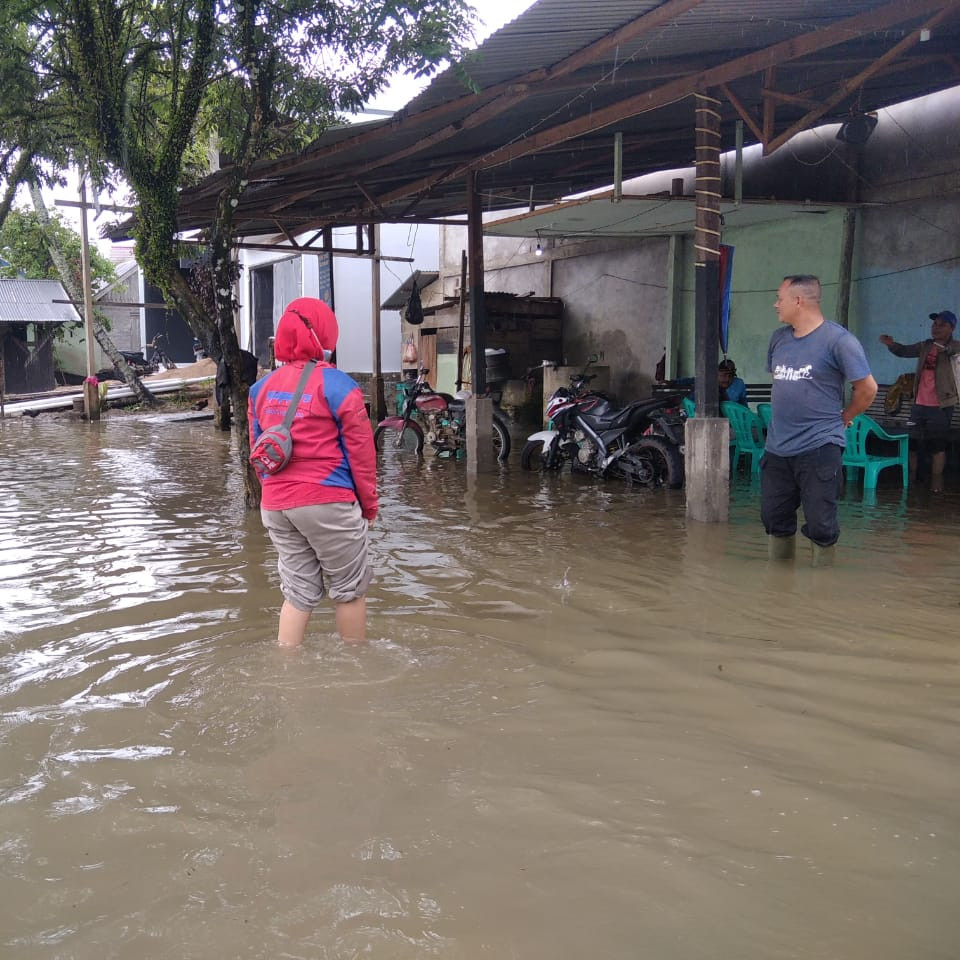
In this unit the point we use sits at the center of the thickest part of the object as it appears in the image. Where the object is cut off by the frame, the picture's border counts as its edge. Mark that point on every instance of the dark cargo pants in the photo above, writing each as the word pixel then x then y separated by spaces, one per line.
pixel 812 480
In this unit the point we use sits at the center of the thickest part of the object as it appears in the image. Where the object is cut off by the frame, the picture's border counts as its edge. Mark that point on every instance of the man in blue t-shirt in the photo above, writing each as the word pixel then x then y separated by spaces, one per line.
pixel 811 359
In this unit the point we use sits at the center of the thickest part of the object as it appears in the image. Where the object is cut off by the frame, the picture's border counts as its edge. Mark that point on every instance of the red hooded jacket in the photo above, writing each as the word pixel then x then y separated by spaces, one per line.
pixel 334 459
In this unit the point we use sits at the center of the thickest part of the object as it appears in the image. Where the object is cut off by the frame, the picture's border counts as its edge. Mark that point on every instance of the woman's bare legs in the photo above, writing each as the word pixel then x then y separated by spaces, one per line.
pixel 351 623
pixel 352 620
pixel 293 625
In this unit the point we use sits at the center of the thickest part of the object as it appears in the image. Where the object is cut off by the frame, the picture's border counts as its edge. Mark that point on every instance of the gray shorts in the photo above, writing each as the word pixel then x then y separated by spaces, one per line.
pixel 322 551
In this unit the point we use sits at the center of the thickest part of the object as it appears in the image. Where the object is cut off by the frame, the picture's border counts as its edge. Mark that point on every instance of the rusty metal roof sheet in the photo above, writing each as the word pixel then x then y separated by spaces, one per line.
pixel 33 301
pixel 555 84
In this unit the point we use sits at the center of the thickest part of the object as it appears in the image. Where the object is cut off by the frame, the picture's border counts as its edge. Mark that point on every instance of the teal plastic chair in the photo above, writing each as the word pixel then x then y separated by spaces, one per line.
pixel 747 432
pixel 764 412
pixel 855 456
pixel 689 407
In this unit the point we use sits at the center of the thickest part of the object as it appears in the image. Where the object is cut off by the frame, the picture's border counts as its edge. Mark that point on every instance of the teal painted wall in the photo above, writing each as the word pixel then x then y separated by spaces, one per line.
pixel 763 256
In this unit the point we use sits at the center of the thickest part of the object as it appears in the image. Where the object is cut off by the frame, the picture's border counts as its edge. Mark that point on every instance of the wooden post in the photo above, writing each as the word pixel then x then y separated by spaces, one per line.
pixel 478 333
pixel 707 434
pixel 846 267
pixel 479 408
pixel 707 254
pixel 91 393
pixel 3 369
pixel 463 310
pixel 617 167
pixel 378 402
pixel 853 161
pixel 738 168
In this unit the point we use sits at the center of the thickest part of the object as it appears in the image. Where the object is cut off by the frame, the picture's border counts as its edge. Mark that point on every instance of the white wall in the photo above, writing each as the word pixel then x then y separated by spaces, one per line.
pixel 353 290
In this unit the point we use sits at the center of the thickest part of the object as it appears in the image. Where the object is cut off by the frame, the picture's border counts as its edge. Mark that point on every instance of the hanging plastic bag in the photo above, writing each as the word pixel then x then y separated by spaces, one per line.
pixel 410 356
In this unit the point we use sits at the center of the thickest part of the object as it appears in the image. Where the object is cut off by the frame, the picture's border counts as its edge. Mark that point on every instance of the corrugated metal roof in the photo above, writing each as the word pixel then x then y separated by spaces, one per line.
pixel 398 299
pixel 540 125
pixel 32 301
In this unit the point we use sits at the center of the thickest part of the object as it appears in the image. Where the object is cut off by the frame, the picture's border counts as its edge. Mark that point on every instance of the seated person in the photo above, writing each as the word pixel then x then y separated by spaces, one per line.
pixel 732 388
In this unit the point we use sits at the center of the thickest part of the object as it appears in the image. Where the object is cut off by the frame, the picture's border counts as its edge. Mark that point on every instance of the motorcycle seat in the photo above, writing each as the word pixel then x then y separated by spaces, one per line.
pixel 631 414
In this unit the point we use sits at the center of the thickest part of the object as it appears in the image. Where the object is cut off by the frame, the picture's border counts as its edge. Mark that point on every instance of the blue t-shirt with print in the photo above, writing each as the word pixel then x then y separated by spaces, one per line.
pixel 809 375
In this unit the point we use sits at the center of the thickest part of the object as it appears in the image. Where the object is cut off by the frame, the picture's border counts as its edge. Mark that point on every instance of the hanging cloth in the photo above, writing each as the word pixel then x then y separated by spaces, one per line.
pixel 726 274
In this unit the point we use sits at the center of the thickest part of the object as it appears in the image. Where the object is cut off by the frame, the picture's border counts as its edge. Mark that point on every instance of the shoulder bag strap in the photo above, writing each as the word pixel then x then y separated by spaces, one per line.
pixel 308 368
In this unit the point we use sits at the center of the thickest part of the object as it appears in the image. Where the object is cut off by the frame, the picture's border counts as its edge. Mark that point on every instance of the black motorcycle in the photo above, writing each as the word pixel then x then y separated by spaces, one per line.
pixel 137 362
pixel 158 356
pixel 641 442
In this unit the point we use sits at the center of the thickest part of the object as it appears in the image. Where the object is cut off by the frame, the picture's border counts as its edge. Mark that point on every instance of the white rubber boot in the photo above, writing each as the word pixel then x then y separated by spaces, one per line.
pixel 781 548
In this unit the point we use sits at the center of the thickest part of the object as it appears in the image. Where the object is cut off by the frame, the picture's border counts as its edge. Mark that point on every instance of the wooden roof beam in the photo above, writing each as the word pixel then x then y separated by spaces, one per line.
pixel 658 17
pixel 769 106
pixel 857 81
pixel 797 100
pixel 871 21
pixel 511 93
pixel 486 112
pixel 374 204
pixel 742 111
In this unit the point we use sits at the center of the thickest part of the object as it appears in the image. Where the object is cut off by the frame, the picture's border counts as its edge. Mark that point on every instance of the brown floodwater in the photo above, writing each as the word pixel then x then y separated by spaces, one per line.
pixel 582 728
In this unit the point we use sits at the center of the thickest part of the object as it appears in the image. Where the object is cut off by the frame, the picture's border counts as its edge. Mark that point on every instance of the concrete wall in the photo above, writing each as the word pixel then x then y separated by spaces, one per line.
pixel 906 268
pixel 616 307
pixel 906 264
pixel 615 296
pixel 763 256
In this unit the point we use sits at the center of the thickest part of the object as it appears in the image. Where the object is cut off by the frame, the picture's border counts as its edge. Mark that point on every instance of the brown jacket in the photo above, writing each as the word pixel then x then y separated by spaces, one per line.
pixel 943 378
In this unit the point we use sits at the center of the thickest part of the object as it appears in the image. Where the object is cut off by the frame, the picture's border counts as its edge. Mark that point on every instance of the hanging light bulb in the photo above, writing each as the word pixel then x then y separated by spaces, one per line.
pixel 539 251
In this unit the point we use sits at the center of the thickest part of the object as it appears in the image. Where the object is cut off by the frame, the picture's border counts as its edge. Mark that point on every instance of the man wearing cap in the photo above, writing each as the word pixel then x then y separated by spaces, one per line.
pixel 935 391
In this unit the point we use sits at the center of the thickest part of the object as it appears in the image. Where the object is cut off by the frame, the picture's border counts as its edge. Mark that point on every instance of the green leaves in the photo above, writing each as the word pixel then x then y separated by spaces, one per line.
pixel 25 243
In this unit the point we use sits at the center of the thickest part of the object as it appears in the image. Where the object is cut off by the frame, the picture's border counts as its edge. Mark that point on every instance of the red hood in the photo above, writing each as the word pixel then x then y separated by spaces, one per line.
pixel 306 329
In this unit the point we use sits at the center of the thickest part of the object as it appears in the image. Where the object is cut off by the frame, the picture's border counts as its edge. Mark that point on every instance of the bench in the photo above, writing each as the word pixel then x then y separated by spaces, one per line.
pixel 756 392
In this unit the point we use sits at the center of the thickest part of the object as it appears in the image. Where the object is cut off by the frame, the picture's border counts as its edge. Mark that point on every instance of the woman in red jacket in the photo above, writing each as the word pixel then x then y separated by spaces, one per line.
pixel 318 508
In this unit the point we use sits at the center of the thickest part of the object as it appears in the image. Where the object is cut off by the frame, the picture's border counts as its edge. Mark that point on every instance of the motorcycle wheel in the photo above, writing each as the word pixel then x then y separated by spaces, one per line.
pixel 501 439
pixel 654 463
pixel 406 442
pixel 531 457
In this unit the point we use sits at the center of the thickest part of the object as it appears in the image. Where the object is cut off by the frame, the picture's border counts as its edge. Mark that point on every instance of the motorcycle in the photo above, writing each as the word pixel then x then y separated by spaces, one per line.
pixel 137 362
pixel 444 424
pixel 159 358
pixel 641 442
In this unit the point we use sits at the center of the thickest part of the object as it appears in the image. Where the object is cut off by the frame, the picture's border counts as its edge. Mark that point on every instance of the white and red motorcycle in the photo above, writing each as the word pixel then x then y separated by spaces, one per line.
pixel 641 442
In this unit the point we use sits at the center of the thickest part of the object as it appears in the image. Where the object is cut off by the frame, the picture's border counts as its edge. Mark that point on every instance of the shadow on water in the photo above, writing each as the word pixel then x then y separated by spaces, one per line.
pixel 584 727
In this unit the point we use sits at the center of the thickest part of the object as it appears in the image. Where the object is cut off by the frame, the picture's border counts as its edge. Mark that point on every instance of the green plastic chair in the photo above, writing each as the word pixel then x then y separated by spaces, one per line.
pixel 855 456
pixel 748 434
pixel 764 412
pixel 689 407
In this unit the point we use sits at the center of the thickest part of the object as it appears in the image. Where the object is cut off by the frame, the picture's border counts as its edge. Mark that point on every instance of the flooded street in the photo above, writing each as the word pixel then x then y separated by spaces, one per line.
pixel 583 728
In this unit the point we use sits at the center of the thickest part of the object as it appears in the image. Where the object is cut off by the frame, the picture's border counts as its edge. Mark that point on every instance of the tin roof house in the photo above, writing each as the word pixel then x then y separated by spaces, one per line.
pixel 32 312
